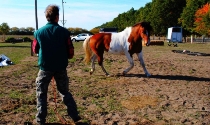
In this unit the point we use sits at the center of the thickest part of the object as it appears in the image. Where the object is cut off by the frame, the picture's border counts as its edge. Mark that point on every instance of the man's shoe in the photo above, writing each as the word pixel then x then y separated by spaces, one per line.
pixel 72 119
pixel 37 123
pixel 76 119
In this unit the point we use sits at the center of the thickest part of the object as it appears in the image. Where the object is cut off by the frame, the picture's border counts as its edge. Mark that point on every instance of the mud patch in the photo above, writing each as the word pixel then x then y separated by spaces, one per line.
pixel 137 102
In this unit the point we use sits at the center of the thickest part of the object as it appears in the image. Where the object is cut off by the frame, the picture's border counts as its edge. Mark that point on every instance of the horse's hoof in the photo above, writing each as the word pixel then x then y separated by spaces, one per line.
pixel 107 75
pixel 148 75
pixel 124 73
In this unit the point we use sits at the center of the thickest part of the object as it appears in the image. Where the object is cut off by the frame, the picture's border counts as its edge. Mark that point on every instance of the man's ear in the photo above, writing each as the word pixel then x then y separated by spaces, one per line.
pixel 57 18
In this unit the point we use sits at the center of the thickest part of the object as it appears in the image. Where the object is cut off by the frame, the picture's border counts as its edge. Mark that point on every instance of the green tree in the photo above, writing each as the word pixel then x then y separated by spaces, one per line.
pixel 94 30
pixel 206 20
pixel 4 28
pixel 30 29
pixel 165 14
pixel 130 17
pixel 14 30
pixel 144 13
pixel 188 15
pixel 77 30
pixel 22 29
pixel 202 19
pixel 162 14
pixel 122 20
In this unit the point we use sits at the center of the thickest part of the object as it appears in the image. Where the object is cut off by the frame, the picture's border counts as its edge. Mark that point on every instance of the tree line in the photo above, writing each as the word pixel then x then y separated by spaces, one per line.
pixel 6 30
pixel 192 15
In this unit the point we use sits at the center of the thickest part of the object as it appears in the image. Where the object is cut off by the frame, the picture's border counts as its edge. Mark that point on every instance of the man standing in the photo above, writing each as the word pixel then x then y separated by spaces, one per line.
pixel 53 45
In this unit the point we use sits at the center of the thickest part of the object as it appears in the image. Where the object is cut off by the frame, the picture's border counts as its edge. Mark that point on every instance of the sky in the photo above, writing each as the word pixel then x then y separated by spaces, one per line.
pixel 85 14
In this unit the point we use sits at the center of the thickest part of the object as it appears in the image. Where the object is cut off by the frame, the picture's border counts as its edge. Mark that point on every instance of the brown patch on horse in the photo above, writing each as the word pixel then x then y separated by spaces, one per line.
pixel 99 43
pixel 135 38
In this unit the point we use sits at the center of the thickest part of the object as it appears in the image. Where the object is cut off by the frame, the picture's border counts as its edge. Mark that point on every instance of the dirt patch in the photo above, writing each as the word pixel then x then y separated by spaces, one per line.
pixel 136 102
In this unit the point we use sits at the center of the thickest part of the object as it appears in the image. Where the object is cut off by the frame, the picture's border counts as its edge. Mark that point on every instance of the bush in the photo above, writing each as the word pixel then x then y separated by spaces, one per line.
pixel 15 40
pixel 10 39
pixel 26 39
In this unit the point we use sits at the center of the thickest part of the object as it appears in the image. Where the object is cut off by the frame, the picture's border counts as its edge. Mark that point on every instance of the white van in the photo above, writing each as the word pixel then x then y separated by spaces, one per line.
pixel 174 34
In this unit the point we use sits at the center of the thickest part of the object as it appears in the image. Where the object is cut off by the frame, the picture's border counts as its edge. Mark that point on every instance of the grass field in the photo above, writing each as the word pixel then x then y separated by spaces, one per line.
pixel 177 93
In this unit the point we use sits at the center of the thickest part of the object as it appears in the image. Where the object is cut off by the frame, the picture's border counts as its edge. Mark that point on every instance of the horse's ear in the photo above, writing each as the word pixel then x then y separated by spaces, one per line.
pixel 145 23
pixel 148 23
pixel 150 27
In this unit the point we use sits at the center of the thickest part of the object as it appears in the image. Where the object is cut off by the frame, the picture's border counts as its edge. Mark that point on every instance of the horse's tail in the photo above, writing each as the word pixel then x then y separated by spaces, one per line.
pixel 87 49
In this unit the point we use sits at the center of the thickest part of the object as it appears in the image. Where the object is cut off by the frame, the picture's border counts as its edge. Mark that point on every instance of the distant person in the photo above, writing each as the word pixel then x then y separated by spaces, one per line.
pixel 54 47
pixel 203 38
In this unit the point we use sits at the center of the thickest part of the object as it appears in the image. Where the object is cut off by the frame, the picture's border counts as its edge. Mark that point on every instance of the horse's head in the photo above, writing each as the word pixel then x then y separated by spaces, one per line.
pixel 144 29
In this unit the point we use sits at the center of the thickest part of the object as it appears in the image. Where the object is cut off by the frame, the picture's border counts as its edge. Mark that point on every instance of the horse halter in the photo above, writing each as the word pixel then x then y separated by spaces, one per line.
pixel 148 39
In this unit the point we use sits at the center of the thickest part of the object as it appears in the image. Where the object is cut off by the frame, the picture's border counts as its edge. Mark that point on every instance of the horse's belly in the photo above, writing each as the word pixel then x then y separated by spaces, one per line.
pixel 118 45
pixel 116 49
pixel 117 52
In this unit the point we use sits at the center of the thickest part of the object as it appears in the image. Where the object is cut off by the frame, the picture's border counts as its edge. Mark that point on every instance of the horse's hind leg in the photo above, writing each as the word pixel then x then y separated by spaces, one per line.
pixel 93 64
pixel 100 62
pixel 140 57
pixel 130 60
pixel 102 67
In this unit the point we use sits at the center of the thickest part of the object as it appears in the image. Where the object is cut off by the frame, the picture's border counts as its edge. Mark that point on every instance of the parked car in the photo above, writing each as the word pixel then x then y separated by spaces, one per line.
pixel 80 37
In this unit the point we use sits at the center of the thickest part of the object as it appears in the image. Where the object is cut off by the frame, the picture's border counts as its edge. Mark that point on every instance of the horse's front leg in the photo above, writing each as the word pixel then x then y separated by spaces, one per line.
pixel 140 57
pixel 130 60
pixel 93 64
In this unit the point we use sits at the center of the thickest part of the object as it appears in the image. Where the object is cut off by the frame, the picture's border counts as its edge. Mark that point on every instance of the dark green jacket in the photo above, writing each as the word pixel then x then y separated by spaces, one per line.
pixel 52 40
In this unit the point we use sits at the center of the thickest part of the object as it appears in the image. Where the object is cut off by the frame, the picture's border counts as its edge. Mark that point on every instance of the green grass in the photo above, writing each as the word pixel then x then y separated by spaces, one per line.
pixel 72 60
pixel 15 94
pixel 16 52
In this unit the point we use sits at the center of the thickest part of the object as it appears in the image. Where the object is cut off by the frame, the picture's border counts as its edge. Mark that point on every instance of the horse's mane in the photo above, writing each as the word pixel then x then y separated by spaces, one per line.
pixel 144 24
pixel 136 24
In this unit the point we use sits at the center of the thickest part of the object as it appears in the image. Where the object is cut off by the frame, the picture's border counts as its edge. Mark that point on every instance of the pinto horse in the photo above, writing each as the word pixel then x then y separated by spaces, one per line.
pixel 127 42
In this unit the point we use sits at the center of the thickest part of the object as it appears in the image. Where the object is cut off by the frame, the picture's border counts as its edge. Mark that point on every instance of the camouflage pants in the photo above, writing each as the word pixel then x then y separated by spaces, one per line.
pixel 62 82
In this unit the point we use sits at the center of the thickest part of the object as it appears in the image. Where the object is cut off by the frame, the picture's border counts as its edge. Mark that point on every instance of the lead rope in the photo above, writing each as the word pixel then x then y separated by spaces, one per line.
pixel 55 108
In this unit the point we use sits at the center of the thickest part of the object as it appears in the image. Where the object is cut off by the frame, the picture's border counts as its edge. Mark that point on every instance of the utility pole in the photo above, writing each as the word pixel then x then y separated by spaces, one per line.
pixel 63 21
pixel 36 19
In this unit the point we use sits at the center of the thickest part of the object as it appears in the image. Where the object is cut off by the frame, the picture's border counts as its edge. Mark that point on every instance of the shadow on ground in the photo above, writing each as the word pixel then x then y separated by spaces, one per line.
pixel 169 77
pixel 78 123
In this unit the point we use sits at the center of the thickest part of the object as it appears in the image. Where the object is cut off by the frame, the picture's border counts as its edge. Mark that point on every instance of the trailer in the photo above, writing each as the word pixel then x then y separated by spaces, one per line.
pixel 108 30
pixel 174 36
